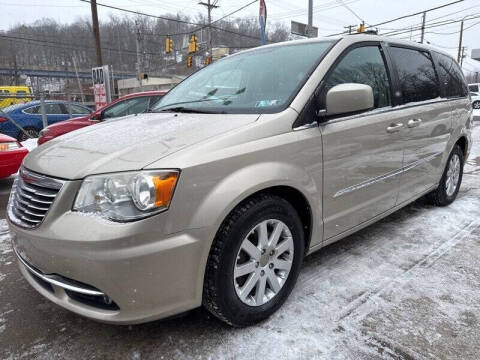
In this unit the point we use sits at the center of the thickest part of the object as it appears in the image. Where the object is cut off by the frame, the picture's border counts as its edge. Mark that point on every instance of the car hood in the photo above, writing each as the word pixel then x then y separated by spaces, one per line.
pixel 128 143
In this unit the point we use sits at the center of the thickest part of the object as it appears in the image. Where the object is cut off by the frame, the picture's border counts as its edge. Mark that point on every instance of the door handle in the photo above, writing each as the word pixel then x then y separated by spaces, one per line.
pixel 414 123
pixel 394 128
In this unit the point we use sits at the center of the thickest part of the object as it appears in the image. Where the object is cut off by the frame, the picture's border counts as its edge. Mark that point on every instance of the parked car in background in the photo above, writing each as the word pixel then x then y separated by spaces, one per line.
pixel 29 117
pixel 214 199
pixel 126 105
pixel 11 155
pixel 10 95
pixel 475 100
pixel 474 88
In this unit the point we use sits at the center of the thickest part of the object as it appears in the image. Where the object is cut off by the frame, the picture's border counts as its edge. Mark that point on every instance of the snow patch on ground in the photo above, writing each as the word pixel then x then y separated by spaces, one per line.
pixel 5 246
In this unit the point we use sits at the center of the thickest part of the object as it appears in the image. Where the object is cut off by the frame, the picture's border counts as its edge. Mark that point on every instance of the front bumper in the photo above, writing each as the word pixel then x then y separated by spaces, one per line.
pixel 136 273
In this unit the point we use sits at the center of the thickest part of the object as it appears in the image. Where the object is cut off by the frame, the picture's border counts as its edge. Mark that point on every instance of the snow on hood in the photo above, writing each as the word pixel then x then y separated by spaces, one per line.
pixel 128 143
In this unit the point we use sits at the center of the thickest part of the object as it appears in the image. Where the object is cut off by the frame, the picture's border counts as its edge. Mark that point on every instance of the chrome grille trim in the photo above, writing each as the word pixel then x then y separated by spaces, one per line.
pixel 58 280
pixel 31 197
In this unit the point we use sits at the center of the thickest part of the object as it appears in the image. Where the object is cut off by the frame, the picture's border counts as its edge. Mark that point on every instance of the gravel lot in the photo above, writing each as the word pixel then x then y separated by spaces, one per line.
pixel 407 287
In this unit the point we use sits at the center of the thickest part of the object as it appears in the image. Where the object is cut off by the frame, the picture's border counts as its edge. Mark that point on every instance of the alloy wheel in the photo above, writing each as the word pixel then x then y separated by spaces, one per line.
pixel 263 262
pixel 453 175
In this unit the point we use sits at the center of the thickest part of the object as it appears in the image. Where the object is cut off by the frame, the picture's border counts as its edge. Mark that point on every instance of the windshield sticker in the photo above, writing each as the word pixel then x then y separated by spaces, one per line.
pixel 265 103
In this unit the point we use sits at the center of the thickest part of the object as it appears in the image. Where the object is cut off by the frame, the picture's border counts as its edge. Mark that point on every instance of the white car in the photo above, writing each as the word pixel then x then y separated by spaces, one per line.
pixel 475 100
pixel 474 88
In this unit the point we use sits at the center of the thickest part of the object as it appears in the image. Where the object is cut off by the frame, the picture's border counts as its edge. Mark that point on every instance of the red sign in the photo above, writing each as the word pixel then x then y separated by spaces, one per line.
pixel 101 86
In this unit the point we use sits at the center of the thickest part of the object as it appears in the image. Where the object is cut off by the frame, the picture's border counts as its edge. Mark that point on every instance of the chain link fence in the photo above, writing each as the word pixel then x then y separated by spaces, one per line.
pixel 10 100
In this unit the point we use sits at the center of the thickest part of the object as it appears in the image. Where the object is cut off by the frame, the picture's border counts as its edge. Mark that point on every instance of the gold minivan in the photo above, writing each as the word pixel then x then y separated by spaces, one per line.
pixel 248 165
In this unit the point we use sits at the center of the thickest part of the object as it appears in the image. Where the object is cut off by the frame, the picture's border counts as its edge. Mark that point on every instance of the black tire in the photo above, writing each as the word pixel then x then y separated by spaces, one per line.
pixel 219 295
pixel 439 196
pixel 31 131
pixel 476 105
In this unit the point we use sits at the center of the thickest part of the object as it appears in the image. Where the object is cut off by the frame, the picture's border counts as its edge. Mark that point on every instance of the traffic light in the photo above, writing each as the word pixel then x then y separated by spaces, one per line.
pixel 189 61
pixel 361 28
pixel 208 60
pixel 168 45
pixel 193 44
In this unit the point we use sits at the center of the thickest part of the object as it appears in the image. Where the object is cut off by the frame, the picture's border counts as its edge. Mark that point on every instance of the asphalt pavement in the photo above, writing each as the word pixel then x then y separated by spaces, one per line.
pixel 407 287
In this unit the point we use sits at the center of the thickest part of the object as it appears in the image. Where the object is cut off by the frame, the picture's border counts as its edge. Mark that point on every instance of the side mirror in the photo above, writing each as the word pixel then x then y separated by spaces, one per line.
pixel 96 116
pixel 349 98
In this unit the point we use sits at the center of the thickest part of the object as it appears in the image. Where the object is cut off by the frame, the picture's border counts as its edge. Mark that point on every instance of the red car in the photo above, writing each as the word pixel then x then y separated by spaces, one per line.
pixel 11 155
pixel 126 105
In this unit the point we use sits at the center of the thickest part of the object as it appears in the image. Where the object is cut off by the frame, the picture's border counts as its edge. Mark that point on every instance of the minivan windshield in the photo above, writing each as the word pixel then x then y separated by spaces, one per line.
pixel 261 81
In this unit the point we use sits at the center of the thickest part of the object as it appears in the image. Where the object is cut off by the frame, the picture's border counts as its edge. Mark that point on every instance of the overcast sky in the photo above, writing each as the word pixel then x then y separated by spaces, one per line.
pixel 328 15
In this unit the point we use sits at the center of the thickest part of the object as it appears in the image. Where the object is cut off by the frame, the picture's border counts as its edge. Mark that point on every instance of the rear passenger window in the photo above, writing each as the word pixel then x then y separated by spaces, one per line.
pixel 363 65
pixel 32 110
pixel 417 77
pixel 78 110
pixel 451 77
pixel 53 109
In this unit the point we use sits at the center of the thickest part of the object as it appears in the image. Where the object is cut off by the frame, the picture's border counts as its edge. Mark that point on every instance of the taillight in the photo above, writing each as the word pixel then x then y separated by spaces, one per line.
pixel 2 119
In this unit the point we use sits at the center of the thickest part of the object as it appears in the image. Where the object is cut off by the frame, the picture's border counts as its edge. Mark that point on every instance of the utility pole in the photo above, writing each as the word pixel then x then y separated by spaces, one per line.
pixel 210 5
pixel 424 16
pixel 460 51
pixel 96 31
pixel 463 55
pixel 137 40
pixel 310 19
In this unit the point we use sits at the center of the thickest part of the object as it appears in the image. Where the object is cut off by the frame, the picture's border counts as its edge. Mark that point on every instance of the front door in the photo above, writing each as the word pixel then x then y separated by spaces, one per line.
pixel 362 154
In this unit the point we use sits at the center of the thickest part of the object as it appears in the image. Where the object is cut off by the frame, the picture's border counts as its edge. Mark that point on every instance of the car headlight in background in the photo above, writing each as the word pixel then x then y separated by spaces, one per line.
pixel 9 146
pixel 127 196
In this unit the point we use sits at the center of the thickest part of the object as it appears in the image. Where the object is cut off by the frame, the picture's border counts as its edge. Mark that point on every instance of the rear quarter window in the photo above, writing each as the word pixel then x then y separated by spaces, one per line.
pixel 451 77
pixel 416 74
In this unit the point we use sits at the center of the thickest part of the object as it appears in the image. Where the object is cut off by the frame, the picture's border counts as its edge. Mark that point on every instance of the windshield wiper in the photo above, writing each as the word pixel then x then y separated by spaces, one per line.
pixel 184 109
pixel 225 99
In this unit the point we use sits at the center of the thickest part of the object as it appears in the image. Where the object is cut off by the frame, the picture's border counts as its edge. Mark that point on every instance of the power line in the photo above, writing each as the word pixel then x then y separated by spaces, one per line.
pixel 67 45
pixel 430 26
pixel 349 9
pixel 414 14
pixel 200 26
pixel 403 17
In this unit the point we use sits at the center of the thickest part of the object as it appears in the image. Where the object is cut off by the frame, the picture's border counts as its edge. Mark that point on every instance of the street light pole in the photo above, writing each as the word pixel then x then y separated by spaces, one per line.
pixel 310 19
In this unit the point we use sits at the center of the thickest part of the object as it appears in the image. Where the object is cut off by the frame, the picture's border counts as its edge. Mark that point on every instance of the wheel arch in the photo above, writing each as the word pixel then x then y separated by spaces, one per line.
pixel 463 143
pixel 282 179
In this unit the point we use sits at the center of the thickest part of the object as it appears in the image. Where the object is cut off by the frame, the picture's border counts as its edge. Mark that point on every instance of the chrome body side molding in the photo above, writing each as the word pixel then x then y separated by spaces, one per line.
pixel 385 176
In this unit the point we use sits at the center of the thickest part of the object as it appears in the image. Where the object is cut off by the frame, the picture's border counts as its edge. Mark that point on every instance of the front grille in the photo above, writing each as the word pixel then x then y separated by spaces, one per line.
pixel 31 197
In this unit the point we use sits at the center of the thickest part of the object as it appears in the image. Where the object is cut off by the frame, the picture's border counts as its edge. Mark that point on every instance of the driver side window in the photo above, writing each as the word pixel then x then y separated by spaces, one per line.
pixel 363 65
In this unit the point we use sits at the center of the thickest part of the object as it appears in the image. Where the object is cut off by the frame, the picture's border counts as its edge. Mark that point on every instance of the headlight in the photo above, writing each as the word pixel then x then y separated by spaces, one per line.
pixel 127 196
pixel 9 146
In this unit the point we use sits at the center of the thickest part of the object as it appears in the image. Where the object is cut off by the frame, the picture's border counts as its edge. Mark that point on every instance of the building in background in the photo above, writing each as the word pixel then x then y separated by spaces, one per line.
pixel 128 86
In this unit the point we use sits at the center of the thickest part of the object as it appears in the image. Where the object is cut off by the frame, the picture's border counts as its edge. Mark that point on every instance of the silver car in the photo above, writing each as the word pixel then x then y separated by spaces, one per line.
pixel 242 170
